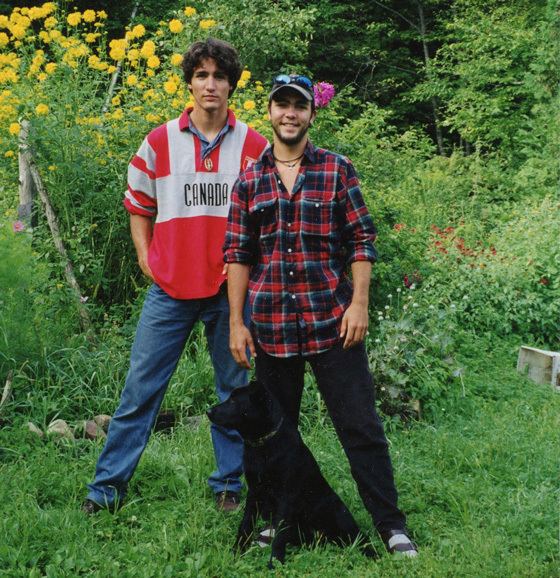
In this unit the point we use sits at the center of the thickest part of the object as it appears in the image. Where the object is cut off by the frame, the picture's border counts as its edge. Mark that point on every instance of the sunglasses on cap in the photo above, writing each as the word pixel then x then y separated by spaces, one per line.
pixel 298 79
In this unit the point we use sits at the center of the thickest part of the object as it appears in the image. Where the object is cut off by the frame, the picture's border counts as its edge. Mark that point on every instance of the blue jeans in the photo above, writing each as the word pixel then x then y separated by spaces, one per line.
pixel 164 327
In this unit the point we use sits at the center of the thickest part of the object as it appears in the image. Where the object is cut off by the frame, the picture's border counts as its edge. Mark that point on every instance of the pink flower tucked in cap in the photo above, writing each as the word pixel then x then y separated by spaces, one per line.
pixel 324 92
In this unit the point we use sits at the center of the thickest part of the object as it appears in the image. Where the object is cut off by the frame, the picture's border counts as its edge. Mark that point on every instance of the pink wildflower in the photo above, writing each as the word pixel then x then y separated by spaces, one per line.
pixel 18 226
pixel 324 92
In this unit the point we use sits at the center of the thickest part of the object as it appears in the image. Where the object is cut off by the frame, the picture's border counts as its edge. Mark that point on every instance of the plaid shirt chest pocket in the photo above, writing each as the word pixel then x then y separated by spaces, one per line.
pixel 263 213
pixel 318 216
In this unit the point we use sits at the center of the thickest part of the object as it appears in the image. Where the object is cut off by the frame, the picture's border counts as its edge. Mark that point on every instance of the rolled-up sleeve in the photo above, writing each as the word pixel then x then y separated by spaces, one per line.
pixel 239 243
pixel 140 197
pixel 359 232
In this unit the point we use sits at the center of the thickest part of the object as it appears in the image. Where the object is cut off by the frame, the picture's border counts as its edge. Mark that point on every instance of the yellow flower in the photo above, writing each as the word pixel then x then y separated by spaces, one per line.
pixel 245 75
pixel 148 49
pixel 175 26
pixel 55 34
pixel 35 13
pixel 133 55
pixel 176 59
pixel 18 31
pixel 41 77
pixel 50 22
pixel 118 114
pixel 190 11
pixel 153 61
pixel 152 117
pixel 89 16
pixel 117 53
pixel 42 109
pixel 150 72
pixel 91 37
pixel 170 87
pixel 207 23
pixel 48 7
pixel 52 167
pixel 101 14
pixel 4 39
pixel 241 84
pixel 249 105
pixel 110 69
pixel 44 36
pixel 259 88
pixel 3 21
pixel 9 154
pixel 138 31
pixel 116 100
pixel 132 80
pixel 14 128
pixel 74 18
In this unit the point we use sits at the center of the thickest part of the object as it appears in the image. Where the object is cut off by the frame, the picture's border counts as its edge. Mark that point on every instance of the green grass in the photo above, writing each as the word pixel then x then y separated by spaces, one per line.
pixel 479 484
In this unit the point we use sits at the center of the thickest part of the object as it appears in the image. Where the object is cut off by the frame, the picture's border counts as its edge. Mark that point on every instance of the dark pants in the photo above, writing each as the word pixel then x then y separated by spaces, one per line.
pixel 346 384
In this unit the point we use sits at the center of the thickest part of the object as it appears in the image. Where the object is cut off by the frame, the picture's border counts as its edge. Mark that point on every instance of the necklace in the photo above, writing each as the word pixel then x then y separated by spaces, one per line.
pixel 290 163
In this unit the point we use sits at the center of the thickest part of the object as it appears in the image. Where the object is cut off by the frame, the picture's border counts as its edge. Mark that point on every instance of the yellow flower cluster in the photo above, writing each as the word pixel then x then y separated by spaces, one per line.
pixel 137 32
pixel 9 63
pixel 42 109
pixel 148 49
pixel 207 23
pixel 151 85
pixel 14 128
pixel 175 26
pixel 117 48
pixel 176 59
pixel 96 63
pixel 74 18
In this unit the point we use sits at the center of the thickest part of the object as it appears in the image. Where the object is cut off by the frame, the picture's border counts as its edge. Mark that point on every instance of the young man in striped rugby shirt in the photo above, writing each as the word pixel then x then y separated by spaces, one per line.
pixel 179 187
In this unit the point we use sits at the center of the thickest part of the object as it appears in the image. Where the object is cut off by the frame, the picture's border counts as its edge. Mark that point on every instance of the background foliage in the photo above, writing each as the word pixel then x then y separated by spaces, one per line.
pixel 448 108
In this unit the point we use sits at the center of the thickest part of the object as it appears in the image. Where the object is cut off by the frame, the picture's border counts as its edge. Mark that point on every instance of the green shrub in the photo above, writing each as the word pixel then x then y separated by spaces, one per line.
pixel 509 285
pixel 411 349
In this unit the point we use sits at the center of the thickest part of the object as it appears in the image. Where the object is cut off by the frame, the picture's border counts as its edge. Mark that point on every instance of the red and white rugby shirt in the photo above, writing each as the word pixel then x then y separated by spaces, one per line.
pixel 190 198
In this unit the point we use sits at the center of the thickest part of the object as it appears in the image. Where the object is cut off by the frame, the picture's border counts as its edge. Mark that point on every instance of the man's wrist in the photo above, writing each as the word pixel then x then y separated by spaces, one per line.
pixel 236 322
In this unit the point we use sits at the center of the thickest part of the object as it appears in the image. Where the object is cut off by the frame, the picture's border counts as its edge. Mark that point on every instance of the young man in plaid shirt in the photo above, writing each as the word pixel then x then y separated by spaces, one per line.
pixel 297 221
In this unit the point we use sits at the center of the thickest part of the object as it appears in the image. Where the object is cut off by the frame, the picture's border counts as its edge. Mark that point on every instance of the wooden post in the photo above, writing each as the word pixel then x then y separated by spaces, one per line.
pixel 117 72
pixel 26 188
pixel 31 168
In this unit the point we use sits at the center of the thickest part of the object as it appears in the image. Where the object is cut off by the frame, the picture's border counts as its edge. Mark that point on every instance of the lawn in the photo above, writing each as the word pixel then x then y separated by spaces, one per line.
pixel 479 484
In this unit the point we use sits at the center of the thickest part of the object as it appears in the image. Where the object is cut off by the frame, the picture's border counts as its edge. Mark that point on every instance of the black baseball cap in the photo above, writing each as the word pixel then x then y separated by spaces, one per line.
pixel 297 82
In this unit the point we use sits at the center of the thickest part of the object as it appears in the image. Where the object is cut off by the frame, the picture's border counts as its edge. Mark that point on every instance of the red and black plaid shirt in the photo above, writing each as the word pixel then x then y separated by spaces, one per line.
pixel 299 247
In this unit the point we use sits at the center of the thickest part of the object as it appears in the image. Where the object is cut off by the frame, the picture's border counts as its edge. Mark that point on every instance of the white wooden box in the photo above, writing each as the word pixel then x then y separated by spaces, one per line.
pixel 540 366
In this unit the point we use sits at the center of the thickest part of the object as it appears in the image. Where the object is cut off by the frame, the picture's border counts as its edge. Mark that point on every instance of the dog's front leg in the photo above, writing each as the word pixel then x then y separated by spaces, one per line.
pixel 247 524
pixel 284 533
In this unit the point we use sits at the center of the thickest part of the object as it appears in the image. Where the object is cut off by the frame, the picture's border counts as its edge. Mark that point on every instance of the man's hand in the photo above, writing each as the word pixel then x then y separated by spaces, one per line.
pixel 239 340
pixel 143 263
pixel 354 325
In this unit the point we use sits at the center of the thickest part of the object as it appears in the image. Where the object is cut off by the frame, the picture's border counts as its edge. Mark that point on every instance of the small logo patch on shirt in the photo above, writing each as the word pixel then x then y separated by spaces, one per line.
pixel 208 164
pixel 247 162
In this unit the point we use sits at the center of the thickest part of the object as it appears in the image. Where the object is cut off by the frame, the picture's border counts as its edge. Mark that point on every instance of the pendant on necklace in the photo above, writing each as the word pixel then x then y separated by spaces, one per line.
pixel 208 164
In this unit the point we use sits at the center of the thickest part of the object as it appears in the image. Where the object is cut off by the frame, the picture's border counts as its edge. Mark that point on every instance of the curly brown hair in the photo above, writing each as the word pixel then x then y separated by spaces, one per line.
pixel 223 53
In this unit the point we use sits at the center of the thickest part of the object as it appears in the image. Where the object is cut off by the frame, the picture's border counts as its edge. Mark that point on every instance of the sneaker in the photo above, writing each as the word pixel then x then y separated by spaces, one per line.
pixel 227 501
pixel 265 537
pixel 398 543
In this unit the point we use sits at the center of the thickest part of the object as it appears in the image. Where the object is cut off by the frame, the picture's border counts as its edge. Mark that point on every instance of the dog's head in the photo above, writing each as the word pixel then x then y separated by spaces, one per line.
pixel 250 410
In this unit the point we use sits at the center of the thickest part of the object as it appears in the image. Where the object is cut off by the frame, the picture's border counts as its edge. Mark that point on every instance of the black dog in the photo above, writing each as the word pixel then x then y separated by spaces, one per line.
pixel 285 484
